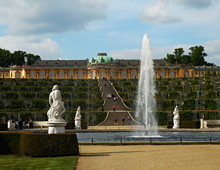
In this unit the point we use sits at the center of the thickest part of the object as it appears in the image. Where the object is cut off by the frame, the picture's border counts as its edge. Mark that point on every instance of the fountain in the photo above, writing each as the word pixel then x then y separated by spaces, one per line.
pixel 146 102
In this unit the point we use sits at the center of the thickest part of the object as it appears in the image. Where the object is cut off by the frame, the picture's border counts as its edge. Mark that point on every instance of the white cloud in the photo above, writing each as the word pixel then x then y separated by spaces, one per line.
pixel 199 4
pixel 46 48
pixel 155 15
pixel 25 17
pixel 212 48
pixel 126 54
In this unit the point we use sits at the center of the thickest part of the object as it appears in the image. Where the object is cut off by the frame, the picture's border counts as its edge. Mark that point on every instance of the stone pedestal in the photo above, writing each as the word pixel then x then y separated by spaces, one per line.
pixel 176 122
pixel 201 123
pixel 56 126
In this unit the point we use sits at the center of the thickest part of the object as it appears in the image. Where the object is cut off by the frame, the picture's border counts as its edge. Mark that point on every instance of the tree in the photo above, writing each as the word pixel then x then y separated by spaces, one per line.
pixel 197 55
pixel 17 58
pixel 177 57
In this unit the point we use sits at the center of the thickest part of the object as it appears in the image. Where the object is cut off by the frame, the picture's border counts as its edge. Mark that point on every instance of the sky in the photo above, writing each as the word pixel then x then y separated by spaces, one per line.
pixel 79 29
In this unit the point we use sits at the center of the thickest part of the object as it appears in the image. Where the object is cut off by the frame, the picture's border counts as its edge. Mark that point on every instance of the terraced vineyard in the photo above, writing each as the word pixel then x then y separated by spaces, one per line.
pixel 29 99
pixel 196 97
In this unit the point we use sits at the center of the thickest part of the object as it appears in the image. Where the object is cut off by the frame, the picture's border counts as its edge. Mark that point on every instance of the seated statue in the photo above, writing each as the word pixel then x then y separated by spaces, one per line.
pixel 57 108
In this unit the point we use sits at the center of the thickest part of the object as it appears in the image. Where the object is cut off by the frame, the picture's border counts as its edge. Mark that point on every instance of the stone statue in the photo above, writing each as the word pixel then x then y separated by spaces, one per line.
pixel 176 118
pixel 78 119
pixel 57 108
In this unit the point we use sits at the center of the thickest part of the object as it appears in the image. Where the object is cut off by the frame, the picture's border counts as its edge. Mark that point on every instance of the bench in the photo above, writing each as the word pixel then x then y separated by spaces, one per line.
pixel 209 123
pixel 36 124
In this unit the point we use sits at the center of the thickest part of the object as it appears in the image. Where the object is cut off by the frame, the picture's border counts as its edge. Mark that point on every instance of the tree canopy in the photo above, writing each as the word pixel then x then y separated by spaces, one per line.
pixel 196 56
pixel 17 58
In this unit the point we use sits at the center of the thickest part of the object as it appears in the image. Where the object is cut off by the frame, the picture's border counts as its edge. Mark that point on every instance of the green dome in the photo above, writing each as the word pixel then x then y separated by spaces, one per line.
pixel 102 58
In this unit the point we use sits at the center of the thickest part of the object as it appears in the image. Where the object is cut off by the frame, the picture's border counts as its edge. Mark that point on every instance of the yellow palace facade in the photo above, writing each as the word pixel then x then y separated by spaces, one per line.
pixel 100 66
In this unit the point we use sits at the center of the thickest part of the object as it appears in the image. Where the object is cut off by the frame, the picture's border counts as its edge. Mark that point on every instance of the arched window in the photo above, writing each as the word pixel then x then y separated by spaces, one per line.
pixel 171 74
pixel 186 73
pixel 70 75
pixel 133 74
pixel 112 74
pixel 61 75
pixel 124 76
pixel 93 75
pixel 102 74
pixel 162 74
pixel 32 74
pixel 80 75
pixel 42 75
pixel 17 75
pixel 52 75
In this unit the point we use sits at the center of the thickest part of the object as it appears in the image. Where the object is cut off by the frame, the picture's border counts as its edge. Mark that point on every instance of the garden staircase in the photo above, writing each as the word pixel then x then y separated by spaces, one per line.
pixel 106 87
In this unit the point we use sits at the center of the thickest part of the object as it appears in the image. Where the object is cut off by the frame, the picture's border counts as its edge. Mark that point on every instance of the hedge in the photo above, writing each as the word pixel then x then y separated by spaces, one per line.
pixel 10 143
pixel 46 145
pixel 190 124
pixel 3 126
pixel 39 144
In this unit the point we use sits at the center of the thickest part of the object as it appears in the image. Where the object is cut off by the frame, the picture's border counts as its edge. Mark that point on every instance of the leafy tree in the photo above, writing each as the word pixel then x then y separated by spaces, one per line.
pixel 17 58
pixel 196 56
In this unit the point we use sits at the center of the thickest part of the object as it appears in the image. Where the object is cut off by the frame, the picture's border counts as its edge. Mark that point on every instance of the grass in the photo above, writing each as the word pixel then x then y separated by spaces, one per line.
pixel 17 162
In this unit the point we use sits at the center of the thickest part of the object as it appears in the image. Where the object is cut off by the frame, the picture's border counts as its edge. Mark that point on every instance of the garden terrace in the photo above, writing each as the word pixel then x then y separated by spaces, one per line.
pixel 29 98
pixel 196 97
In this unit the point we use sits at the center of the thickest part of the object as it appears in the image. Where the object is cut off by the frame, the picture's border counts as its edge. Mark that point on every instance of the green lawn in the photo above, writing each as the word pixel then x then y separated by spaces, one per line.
pixel 24 163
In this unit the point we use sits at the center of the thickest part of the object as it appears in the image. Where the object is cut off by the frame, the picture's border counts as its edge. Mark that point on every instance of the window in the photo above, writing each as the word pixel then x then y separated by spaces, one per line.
pixel 171 74
pixel 42 75
pixel 51 75
pixel 80 75
pixel 112 74
pixel 70 75
pixel 196 73
pixel 93 75
pixel 133 74
pixel 32 74
pixel 61 75
pixel 162 74
pixel 186 73
pixel 124 76
pixel 102 74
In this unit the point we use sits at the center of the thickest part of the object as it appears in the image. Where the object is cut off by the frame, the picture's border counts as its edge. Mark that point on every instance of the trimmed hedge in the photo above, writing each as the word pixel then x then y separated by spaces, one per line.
pixel 190 124
pixel 3 127
pixel 169 124
pixel 46 145
pixel 39 144
pixel 10 143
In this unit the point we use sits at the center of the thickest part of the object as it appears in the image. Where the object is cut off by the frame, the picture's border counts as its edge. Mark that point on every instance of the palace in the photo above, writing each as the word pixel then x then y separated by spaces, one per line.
pixel 100 66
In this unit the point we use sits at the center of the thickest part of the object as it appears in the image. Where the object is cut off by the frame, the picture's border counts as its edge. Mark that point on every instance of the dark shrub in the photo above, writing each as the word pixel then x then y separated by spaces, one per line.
pixel 9 143
pixel 45 145
pixel 169 124
pixel 190 124
pixel 3 126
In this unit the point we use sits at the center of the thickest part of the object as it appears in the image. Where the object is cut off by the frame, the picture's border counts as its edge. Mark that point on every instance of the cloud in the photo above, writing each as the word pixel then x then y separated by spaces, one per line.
pixel 212 48
pixel 199 4
pixel 25 17
pixel 155 15
pixel 126 54
pixel 46 48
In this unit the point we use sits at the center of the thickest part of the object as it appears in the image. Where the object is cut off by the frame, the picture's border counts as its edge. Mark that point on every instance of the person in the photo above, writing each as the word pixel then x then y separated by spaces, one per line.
pixel 57 108
pixel 129 120
pixel 107 96
pixel 26 122
pixel 116 99
pixel 113 96
pixel 31 124
pixel 110 96
pixel 114 107
pixel 20 124
pixel 115 121
pixel 123 121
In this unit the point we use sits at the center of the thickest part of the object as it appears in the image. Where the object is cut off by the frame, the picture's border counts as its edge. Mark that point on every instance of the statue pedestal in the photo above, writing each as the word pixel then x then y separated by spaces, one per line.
pixel 56 126
pixel 176 123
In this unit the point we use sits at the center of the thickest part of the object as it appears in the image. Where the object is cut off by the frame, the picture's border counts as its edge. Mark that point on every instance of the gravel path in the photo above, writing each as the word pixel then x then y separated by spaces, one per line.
pixel 149 157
